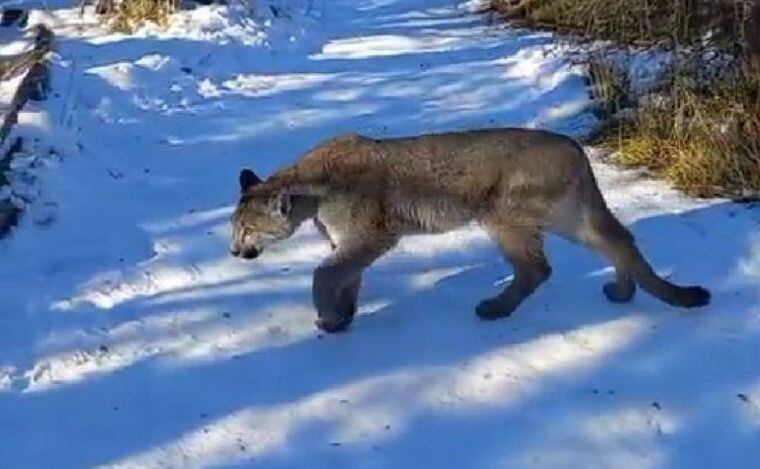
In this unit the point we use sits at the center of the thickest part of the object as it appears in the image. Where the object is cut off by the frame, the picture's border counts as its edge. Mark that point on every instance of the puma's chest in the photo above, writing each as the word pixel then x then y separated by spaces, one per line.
pixel 334 220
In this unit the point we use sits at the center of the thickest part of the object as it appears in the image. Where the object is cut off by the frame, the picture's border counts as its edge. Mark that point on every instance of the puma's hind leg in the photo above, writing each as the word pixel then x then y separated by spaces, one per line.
pixel 608 236
pixel 622 289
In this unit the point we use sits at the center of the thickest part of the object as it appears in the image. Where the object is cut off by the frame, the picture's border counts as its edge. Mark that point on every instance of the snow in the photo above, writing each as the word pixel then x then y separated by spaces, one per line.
pixel 130 338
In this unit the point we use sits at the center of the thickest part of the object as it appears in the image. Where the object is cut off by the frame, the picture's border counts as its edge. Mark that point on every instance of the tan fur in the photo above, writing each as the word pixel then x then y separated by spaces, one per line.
pixel 367 193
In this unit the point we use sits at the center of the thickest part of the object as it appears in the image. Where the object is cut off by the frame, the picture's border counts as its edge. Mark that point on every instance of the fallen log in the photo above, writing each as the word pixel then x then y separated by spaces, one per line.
pixel 33 65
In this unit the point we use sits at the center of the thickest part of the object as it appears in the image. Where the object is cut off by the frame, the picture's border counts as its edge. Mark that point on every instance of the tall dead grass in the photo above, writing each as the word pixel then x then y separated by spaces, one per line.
pixel 706 141
pixel 631 21
pixel 700 128
pixel 127 15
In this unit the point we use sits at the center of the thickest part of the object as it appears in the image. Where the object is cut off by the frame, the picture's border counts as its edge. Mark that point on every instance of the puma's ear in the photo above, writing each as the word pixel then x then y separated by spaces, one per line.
pixel 247 179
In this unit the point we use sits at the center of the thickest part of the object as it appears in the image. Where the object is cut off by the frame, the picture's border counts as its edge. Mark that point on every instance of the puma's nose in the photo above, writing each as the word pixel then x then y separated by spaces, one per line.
pixel 250 253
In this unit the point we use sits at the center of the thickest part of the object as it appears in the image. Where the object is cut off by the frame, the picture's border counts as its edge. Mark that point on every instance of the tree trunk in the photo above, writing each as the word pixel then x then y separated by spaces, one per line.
pixel 753 38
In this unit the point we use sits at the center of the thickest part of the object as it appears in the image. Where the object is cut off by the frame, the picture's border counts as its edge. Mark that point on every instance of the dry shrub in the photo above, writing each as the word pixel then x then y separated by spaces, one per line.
pixel 701 130
pixel 610 86
pixel 607 19
pixel 127 15
pixel 634 21
pixel 705 140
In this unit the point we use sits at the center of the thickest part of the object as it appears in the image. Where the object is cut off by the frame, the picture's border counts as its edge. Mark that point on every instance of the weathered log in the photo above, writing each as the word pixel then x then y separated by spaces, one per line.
pixel 33 85
pixel 9 213
pixel 13 65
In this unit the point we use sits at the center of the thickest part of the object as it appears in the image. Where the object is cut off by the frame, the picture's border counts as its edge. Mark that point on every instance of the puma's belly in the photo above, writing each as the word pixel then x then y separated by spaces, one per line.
pixel 430 215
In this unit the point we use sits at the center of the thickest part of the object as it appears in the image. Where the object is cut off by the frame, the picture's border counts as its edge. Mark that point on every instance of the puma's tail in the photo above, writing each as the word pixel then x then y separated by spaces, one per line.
pixel 685 297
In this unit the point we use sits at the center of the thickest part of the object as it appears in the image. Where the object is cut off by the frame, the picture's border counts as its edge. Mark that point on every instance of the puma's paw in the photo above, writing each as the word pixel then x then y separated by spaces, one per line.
pixel 333 325
pixel 619 294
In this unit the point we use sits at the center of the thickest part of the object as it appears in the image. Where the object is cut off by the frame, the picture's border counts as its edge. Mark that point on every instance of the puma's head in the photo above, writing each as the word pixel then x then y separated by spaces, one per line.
pixel 259 219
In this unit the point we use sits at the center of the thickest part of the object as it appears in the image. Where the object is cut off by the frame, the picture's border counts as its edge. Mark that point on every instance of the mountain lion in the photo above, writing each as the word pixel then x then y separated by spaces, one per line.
pixel 365 193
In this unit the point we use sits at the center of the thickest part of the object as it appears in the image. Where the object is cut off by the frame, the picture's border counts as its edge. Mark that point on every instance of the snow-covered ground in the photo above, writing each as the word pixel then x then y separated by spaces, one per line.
pixel 130 338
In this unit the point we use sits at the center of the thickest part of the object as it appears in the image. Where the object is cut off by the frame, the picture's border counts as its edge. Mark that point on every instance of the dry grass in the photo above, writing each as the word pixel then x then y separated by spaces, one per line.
pixel 610 86
pixel 607 19
pixel 703 130
pixel 705 140
pixel 127 15
pixel 633 21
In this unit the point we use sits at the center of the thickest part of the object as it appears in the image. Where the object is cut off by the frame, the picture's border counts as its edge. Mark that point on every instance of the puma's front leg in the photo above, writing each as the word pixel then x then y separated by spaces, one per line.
pixel 337 281
pixel 333 296
pixel 348 298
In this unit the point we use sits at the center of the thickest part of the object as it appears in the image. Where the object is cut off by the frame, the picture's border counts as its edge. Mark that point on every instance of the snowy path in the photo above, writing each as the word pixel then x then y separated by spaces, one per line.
pixel 128 335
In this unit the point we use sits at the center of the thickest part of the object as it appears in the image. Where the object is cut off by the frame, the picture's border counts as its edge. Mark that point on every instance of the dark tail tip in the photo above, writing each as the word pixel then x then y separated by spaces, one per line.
pixel 694 297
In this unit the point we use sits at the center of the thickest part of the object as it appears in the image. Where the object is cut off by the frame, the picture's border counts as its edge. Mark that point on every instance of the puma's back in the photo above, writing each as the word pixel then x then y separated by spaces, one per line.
pixel 460 163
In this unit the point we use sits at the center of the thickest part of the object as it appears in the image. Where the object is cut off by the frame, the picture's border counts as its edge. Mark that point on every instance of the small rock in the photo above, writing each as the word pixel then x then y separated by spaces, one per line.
pixel 115 173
